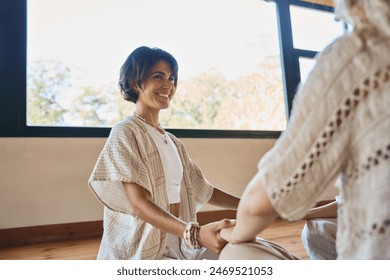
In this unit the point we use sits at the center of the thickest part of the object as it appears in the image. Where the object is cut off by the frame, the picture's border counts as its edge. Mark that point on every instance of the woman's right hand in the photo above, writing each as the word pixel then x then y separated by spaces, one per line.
pixel 209 235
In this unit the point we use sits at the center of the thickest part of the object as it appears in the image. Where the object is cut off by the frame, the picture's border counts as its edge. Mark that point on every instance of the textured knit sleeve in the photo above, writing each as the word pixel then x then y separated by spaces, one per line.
pixel 120 161
pixel 307 158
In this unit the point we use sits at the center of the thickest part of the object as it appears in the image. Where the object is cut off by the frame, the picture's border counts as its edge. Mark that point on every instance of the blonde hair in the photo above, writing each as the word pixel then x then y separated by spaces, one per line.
pixel 365 14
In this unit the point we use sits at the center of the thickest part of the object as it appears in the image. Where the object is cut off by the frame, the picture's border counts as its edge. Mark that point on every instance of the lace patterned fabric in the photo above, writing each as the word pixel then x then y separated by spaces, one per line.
pixel 340 125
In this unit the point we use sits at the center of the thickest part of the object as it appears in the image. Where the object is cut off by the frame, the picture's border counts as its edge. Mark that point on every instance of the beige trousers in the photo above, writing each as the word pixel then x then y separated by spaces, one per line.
pixel 261 249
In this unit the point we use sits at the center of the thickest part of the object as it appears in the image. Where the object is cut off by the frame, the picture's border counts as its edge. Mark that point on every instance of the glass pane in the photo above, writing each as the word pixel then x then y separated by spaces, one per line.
pixel 305 67
pixel 228 54
pixel 313 29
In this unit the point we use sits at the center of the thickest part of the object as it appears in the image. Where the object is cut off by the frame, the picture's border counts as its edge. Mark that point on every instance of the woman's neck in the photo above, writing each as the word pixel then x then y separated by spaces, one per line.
pixel 148 115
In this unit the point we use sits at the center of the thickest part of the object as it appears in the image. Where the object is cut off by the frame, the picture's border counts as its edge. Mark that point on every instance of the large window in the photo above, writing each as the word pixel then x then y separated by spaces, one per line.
pixel 240 63
pixel 313 29
pixel 230 76
pixel 313 37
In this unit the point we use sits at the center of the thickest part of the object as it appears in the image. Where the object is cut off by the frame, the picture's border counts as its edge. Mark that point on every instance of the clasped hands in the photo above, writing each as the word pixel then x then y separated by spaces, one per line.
pixel 210 234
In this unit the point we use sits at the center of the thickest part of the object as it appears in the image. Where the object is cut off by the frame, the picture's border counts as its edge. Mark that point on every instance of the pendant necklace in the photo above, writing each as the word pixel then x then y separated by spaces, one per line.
pixel 157 127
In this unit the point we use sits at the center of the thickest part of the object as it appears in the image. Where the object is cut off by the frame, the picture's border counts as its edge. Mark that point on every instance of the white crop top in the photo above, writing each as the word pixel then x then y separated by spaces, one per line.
pixel 171 162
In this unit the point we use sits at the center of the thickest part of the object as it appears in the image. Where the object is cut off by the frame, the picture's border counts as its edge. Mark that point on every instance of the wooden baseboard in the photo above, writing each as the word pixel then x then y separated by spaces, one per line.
pixel 50 233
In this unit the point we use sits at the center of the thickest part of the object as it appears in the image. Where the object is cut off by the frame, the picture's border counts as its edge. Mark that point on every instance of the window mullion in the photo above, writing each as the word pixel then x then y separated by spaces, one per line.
pixel 289 59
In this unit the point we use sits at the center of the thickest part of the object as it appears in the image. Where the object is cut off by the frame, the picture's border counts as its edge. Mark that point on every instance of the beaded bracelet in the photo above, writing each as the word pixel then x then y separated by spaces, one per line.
pixel 191 235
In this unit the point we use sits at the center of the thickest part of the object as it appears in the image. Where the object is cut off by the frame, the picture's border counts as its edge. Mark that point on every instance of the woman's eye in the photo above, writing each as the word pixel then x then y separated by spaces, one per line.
pixel 162 77
pixel 157 77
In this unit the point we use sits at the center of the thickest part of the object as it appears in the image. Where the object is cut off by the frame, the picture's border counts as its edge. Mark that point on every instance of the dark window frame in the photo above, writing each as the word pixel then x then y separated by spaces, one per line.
pixel 13 43
pixel 290 55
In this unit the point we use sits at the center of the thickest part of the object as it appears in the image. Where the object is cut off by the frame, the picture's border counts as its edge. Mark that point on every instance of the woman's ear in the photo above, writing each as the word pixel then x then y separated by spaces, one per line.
pixel 135 86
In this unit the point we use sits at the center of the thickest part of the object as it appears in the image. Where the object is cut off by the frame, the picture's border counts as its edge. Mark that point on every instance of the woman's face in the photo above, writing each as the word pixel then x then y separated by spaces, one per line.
pixel 157 88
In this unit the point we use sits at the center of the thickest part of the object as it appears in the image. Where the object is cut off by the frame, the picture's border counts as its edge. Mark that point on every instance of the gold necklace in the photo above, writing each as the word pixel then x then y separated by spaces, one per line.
pixel 157 127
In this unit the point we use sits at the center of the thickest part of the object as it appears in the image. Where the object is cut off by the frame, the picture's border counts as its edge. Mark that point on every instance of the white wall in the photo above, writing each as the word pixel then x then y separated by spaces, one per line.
pixel 43 181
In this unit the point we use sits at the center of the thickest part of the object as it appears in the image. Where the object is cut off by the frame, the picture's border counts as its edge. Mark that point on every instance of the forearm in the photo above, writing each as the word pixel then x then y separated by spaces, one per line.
pixel 254 213
pixel 144 208
pixel 249 225
pixel 159 218
pixel 224 200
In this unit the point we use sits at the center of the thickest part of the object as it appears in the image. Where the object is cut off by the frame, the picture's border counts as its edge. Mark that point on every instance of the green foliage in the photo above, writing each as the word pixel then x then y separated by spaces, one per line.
pixel 207 101
pixel 98 107
pixel 45 81
pixel 197 102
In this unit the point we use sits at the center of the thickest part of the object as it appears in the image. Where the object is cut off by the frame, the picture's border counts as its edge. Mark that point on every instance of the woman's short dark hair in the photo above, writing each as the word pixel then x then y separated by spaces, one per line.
pixel 138 65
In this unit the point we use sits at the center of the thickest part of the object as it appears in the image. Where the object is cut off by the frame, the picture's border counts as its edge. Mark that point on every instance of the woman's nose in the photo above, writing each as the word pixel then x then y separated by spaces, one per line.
pixel 168 84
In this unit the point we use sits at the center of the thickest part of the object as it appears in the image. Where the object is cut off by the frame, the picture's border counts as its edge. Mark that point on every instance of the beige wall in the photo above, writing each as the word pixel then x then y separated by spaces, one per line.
pixel 43 181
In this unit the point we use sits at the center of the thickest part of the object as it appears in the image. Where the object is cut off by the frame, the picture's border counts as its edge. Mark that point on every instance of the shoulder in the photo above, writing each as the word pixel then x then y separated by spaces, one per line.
pixel 353 47
pixel 127 132
pixel 341 64
pixel 340 50
pixel 128 127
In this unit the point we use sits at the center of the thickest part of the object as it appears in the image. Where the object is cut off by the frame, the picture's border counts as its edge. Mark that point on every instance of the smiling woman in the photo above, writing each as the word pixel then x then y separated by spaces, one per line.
pixel 149 186
pixel 158 88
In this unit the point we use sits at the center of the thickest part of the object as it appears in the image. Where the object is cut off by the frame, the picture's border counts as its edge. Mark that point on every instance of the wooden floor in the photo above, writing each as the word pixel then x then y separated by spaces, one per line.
pixel 285 234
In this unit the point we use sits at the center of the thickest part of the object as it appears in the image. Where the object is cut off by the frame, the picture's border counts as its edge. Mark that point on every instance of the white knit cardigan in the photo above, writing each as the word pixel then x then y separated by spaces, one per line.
pixel 130 155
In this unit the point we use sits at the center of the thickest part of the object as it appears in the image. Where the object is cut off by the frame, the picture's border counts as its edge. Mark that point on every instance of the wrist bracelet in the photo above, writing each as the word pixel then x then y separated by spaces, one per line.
pixel 191 235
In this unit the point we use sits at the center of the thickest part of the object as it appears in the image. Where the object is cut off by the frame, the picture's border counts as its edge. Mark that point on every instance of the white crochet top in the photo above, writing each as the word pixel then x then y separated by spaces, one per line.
pixel 340 125
pixel 173 169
